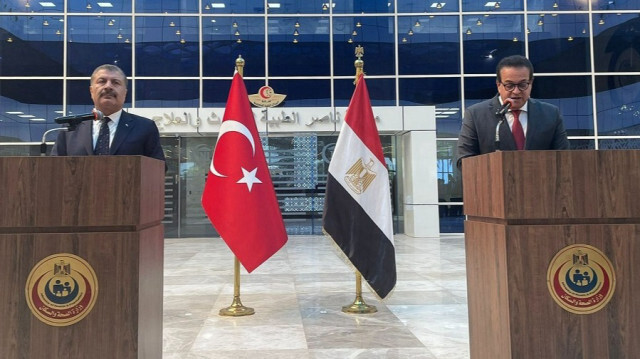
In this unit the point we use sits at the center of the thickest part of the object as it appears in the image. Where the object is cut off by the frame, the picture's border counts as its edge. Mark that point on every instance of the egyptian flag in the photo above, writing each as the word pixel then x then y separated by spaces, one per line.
pixel 239 197
pixel 357 209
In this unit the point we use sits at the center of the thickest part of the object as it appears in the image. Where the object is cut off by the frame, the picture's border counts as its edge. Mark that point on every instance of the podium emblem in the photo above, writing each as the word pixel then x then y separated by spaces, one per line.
pixel 61 289
pixel 581 279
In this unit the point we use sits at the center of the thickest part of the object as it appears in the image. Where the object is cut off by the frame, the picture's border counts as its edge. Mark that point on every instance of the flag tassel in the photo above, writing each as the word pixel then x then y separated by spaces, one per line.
pixel 236 309
pixel 359 306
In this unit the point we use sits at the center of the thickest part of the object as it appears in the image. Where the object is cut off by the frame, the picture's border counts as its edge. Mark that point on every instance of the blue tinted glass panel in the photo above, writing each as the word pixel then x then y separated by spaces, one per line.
pixel 166 6
pixel 559 43
pixel 303 93
pixel 237 7
pixel 556 5
pixel 216 92
pixel 618 105
pixel 305 54
pixel 615 42
pixel 374 34
pixel 572 94
pixel 431 7
pixel 428 45
pixel 443 93
pixel 621 144
pixel 225 38
pixel 583 144
pixel 167 46
pixel 297 6
pixel 167 93
pixel 615 5
pixel 492 6
pixel 478 89
pixel 382 92
pixel 361 6
pixel 484 45
pixel 96 7
pixel 31 6
pixel 31 46
pixel 25 115
pixel 97 40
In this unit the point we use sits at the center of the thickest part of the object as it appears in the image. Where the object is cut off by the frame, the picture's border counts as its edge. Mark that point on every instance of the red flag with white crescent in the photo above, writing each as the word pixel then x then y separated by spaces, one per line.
pixel 238 196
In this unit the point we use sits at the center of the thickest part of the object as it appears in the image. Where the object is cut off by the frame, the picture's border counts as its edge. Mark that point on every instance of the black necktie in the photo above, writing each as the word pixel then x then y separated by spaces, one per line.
pixel 102 145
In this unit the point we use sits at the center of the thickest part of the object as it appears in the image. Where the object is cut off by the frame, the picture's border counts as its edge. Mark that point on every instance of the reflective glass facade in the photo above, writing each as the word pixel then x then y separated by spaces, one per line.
pixel 180 54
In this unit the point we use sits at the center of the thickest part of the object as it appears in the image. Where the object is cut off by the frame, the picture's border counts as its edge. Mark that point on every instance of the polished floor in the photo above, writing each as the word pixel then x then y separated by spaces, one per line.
pixel 298 295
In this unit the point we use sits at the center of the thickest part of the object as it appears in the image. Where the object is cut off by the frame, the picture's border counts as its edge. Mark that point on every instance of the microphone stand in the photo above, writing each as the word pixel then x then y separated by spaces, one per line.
pixel 43 144
pixel 501 119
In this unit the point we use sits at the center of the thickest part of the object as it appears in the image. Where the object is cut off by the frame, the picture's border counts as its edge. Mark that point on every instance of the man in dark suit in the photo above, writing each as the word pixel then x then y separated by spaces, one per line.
pixel 119 133
pixel 528 124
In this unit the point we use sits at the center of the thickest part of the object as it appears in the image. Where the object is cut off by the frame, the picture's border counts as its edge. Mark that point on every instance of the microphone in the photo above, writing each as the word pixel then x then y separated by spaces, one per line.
pixel 74 120
pixel 500 113
pixel 505 107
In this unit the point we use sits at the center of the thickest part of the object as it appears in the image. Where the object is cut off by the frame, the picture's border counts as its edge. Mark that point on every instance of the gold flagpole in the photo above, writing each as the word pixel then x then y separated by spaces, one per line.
pixel 236 309
pixel 359 306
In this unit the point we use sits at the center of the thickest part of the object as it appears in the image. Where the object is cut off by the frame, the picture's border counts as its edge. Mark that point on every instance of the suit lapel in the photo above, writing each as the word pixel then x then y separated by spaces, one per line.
pixel 125 126
pixel 532 110
pixel 85 134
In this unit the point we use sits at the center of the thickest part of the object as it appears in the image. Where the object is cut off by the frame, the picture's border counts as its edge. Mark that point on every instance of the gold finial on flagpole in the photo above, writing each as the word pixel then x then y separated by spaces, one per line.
pixel 240 65
pixel 359 64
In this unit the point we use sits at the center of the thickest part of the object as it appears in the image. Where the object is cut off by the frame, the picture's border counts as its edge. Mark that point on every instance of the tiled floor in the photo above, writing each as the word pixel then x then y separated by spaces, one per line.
pixel 298 295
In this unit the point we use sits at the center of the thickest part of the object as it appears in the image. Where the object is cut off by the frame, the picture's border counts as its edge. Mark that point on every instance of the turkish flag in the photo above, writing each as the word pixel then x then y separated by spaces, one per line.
pixel 238 196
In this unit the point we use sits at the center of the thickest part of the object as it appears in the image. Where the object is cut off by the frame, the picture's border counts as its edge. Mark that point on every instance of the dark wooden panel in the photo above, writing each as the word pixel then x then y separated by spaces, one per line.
pixel 561 185
pixel 487 291
pixel 45 193
pixel 483 187
pixel 126 321
pixel 515 270
pixel 618 177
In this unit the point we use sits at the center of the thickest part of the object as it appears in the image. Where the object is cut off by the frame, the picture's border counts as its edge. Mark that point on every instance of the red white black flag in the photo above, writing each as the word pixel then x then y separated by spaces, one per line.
pixel 357 211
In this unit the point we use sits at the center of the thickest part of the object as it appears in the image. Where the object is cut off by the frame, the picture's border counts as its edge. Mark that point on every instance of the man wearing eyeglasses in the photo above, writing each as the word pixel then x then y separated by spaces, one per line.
pixel 511 120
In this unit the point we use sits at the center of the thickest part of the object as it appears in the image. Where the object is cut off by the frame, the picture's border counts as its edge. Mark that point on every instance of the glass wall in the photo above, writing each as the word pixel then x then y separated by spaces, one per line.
pixel 180 54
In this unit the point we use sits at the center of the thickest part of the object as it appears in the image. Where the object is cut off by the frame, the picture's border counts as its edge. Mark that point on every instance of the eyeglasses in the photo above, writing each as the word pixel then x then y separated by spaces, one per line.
pixel 509 86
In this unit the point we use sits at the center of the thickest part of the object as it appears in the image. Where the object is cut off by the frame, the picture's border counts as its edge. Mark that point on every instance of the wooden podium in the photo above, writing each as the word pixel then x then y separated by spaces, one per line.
pixel 106 211
pixel 522 209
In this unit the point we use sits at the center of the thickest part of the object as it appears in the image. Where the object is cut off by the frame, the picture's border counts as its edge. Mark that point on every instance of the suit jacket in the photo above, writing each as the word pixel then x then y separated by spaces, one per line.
pixel 545 130
pixel 135 135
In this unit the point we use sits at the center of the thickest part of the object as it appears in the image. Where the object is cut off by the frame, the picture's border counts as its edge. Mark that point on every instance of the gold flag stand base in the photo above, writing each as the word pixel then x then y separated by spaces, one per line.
pixel 236 309
pixel 359 306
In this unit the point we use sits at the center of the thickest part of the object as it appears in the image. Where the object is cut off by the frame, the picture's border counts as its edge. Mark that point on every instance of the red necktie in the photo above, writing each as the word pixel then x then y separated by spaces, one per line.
pixel 516 129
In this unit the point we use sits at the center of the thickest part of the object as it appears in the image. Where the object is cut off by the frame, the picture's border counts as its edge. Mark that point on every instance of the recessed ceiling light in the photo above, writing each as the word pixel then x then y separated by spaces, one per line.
pixel 47 4
pixel 105 4
pixel 217 5
pixel 37 119
pixel 26 116
pixel 15 112
pixel 490 4
pixel 274 5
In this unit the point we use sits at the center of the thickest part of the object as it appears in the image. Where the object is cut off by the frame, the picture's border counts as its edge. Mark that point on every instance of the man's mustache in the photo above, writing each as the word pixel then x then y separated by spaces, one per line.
pixel 108 92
